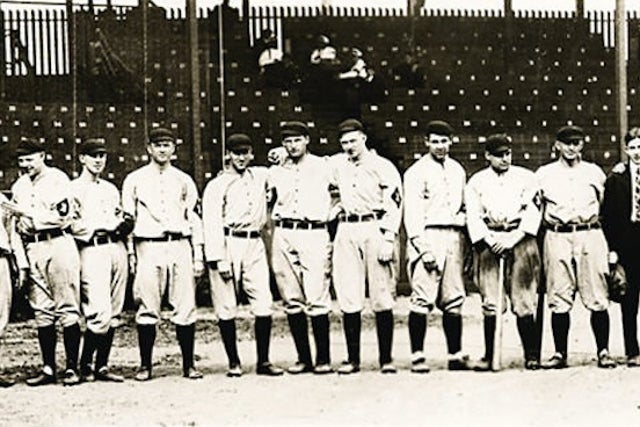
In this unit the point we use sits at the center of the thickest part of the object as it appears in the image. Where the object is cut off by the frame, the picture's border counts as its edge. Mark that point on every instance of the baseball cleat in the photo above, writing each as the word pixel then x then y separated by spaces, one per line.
pixel 70 378
pixel 300 368
pixel 103 374
pixel 419 366
pixel 192 374
pixel 531 364
pixel 482 365
pixel 388 368
pixel 458 362
pixel 557 361
pixel 323 369
pixel 41 379
pixel 143 374
pixel 269 370
pixel 605 361
pixel 86 374
pixel 348 368
pixel 633 361
pixel 234 371
pixel 6 382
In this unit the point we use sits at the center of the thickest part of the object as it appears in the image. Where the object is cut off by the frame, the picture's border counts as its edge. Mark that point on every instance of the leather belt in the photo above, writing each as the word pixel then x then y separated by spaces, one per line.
pixel 296 224
pixel 570 228
pixel 43 235
pixel 444 227
pixel 360 218
pixel 99 239
pixel 166 237
pixel 244 234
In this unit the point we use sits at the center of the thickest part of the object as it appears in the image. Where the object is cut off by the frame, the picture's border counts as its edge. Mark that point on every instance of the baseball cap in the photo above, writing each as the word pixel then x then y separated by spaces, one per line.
pixel 498 144
pixel 239 140
pixel 439 127
pixel 294 128
pixel 93 146
pixel 350 125
pixel 570 133
pixel 161 134
pixel 29 146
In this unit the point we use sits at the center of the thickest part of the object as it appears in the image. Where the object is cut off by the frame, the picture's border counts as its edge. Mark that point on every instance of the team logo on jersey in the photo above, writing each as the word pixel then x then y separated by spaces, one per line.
pixel 63 207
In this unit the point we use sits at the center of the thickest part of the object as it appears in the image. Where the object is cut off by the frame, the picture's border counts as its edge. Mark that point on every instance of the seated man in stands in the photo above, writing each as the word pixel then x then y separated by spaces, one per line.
pixel 324 54
pixel 409 73
pixel 276 69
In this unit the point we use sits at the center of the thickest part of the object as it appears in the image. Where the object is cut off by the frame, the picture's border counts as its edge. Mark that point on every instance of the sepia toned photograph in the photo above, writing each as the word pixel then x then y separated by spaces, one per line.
pixel 319 213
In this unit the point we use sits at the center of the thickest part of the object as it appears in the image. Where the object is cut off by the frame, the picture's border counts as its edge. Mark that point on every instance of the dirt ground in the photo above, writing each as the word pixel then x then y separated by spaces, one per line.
pixel 581 395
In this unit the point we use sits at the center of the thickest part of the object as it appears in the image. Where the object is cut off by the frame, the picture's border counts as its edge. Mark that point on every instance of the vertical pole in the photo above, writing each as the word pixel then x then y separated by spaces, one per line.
pixel 145 64
pixel 621 74
pixel 194 69
pixel 3 65
pixel 579 8
pixel 223 136
pixel 73 67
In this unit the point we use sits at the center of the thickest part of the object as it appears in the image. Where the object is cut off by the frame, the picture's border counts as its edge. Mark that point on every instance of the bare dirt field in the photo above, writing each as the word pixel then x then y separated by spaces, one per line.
pixel 582 395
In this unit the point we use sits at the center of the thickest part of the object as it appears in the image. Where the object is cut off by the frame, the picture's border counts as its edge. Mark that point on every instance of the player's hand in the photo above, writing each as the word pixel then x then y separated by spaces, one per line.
pixel 619 168
pixel 385 253
pixel 429 261
pixel 277 155
pixel 133 261
pixel 613 257
pixel 198 268
pixel 13 208
pixel 224 268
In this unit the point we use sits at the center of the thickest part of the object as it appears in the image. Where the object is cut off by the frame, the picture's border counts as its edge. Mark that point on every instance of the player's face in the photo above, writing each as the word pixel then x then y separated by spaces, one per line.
pixel 633 151
pixel 570 150
pixel 296 145
pixel 161 151
pixel 94 163
pixel 500 161
pixel 438 145
pixel 241 158
pixel 31 164
pixel 354 143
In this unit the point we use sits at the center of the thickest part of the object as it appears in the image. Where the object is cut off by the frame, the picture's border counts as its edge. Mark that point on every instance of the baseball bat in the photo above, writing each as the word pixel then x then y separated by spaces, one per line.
pixel 497 341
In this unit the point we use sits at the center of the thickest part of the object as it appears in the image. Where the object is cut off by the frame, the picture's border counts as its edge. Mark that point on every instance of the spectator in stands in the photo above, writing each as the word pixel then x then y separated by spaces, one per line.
pixel 276 69
pixel 358 69
pixel 409 73
pixel 324 53
pixel 321 87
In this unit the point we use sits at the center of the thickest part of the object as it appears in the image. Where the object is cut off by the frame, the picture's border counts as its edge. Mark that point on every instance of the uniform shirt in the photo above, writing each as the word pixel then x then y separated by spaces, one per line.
pixel 371 184
pixel 47 199
pixel 501 199
pixel 234 201
pixel 97 206
pixel 161 201
pixel 570 195
pixel 301 190
pixel 433 196
pixel 10 241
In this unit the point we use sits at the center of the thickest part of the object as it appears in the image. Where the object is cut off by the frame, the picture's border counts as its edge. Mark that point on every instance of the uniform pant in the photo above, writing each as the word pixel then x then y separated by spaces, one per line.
pixel 355 263
pixel 250 270
pixel 103 280
pixel 522 277
pixel 301 265
pixel 165 267
pixel 576 261
pixel 444 287
pixel 5 293
pixel 55 276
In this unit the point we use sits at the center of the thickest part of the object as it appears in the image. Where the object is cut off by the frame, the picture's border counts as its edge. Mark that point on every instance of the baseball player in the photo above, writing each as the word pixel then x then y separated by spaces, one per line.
pixel 10 246
pixel 621 225
pixel 301 200
pixel 234 209
pixel 370 193
pixel 43 205
pixel 503 221
pixel 434 219
pixel 166 253
pixel 100 231
pixel 575 250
